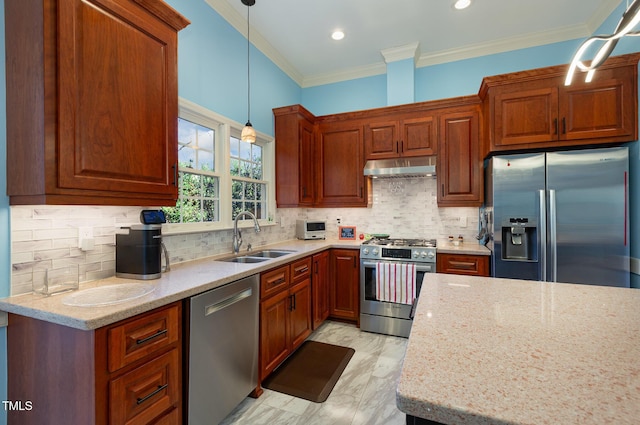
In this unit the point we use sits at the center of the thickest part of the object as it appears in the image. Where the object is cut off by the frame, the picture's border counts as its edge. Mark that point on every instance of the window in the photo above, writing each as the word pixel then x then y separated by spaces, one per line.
pixel 248 189
pixel 219 175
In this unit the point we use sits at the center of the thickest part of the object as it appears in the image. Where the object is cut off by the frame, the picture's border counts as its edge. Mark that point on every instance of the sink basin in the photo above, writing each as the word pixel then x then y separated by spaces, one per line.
pixel 271 253
pixel 108 295
pixel 245 259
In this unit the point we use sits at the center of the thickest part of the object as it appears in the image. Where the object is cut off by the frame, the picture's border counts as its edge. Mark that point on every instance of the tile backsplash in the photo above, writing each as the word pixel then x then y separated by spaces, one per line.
pixel 45 237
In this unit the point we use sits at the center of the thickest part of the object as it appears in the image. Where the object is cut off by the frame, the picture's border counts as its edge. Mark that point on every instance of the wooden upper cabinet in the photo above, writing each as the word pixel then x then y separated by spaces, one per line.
pixel 339 158
pixel 534 109
pixel 92 102
pixel 295 153
pixel 404 136
pixel 459 167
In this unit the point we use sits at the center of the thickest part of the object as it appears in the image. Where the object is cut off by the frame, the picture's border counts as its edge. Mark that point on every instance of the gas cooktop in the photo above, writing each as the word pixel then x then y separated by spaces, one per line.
pixel 409 243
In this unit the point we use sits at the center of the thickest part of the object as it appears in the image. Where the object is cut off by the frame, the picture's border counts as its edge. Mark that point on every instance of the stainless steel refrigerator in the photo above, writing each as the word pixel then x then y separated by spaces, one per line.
pixel 560 216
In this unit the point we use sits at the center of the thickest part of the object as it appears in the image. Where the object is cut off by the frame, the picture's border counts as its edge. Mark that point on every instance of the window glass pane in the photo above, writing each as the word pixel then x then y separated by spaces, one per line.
pixel 205 138
pixel 205 161
pixel 209 187
pixel 210 210
pixel 190 184
pixel 235 147
pixel 245 150
pixel 186 157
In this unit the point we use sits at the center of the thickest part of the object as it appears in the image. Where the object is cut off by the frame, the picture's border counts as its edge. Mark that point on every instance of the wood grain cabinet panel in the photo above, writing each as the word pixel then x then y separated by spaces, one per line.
pixel 285 312
pixel 409 135
pixel 320 287
pixel 344 284
pixel 70 377
pixel 459 170
pixel 471 265
pixel 534 109
pixel 93 102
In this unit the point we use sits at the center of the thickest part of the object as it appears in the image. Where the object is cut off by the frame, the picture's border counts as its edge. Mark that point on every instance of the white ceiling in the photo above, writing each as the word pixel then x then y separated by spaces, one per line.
pixel 295 34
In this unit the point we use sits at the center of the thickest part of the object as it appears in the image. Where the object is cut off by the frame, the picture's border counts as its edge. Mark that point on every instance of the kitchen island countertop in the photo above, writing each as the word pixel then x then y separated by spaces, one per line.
pixel 502 351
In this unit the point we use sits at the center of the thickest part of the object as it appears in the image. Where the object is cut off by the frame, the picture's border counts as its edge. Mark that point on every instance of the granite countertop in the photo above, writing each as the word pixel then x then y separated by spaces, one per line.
pixel 467 247
pixel 503 351
pixel 183 281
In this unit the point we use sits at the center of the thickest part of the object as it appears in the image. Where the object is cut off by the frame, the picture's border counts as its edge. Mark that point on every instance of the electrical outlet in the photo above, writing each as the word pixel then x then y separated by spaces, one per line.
pixel 85 238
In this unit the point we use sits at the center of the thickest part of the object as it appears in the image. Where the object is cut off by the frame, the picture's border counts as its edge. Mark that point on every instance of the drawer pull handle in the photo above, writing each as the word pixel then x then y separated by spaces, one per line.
pixel 463 265
pixel 303 270
pixel 139 401
pixel 150 337
pixel 279 281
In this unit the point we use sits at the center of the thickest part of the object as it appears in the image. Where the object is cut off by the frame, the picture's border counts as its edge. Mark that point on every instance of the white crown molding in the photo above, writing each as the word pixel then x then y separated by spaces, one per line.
pixel 394 54
pixel 237 21
pixel 224 9
pixel 503 45
pixel 345 75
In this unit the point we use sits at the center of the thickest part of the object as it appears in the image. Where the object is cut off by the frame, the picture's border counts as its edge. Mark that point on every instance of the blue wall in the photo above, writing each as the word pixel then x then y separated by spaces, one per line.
pixel 212 73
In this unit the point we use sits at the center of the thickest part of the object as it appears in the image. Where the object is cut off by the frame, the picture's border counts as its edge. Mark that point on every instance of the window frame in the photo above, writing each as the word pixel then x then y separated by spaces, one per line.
pixel 224 129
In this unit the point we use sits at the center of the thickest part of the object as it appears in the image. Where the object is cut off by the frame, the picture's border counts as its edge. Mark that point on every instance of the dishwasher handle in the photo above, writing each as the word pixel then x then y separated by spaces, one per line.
pixel 226 302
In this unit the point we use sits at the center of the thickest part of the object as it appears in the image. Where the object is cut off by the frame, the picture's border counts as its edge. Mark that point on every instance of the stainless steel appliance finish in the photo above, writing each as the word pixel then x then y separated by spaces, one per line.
pixel 387 317
pixel 560 216
pixel 424 166
pixel 223 350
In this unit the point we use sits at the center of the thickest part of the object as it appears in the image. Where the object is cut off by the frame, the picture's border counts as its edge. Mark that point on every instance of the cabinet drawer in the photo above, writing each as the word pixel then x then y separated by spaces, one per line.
pixel 301 269
pixel 274 281
pixel 138 338
pixel 474 265
pixel 143 394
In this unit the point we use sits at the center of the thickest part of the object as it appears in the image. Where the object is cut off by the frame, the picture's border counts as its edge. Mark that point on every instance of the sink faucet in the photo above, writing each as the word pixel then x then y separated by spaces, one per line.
pixel 237 235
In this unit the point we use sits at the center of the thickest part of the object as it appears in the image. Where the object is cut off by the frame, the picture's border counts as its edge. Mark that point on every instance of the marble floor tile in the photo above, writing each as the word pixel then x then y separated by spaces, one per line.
pixel 365 394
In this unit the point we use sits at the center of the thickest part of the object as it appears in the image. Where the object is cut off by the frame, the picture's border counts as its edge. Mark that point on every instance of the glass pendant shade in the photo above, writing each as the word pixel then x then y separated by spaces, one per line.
pixel 248 133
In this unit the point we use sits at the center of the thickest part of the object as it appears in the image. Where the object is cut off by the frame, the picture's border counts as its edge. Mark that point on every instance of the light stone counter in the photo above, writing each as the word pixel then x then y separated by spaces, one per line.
pixel 183 281
pixel 444 246
pixel 502 351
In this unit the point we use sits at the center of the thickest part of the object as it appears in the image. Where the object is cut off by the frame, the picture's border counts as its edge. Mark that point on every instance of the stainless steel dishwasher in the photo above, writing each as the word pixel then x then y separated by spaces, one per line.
pixel 223 350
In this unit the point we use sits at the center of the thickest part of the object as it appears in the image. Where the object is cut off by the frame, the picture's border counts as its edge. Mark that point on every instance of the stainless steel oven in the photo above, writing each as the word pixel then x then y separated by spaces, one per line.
pixel 386 317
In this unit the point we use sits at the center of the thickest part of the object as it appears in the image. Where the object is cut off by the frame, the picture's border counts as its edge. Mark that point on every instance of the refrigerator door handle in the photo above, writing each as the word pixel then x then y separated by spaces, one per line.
pixel 553 241
pixel 543 234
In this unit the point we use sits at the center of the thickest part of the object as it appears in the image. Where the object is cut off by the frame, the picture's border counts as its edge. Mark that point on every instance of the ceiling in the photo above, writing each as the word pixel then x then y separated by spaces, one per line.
pixel 295 34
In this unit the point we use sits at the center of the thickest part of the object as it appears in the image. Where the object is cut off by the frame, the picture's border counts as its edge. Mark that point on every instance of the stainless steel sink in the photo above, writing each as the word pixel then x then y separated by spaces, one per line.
pixel 258 256
pixel 245 259
pixel 271 253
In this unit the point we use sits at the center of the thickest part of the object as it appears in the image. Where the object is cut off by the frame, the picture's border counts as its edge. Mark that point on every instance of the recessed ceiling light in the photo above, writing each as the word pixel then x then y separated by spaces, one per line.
pixel 462 4
pixel 337 35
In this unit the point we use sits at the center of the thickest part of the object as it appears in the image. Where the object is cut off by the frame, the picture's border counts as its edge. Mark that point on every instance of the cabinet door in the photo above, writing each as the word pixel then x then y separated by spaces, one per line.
pixel 339 155
pixel 306 164
pixel 345 281
pixel 320 286
pixel 525 114
pixel 603 108
pixel 459 173
pixel 381 140
pixel 274 332
pixel 118 105
pixel 418 136
pixel 300 312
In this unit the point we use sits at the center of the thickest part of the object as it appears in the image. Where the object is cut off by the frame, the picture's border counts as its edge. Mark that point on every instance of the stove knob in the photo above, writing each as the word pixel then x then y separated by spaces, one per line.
pixel 415 254
pixel 365 251
pixel 375 251
pixel 423 254
pixel 431 254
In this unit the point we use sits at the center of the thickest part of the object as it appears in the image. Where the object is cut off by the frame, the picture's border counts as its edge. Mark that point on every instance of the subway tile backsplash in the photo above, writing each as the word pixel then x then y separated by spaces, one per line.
pixel 45 237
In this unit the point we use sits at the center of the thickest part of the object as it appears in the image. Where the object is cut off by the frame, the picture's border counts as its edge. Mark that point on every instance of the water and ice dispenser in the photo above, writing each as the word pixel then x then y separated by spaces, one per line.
pixel 519 239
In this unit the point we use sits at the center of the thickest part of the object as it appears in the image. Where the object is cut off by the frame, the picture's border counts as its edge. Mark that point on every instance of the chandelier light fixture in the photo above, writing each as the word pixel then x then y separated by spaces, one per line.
pixel 248 132
pixel 629 20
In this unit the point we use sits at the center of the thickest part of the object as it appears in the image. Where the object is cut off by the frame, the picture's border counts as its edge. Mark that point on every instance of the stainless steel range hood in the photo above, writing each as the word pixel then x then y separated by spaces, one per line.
pixel 423 166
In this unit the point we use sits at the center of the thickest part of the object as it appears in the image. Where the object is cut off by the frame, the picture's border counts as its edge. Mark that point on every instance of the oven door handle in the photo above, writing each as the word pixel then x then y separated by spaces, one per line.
pixel 420 267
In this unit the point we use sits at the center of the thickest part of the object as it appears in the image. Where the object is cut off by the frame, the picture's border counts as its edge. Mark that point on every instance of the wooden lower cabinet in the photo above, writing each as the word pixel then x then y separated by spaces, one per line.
pixel 285 312
pixel 126 373
pixel 472 265
pixel 320 286
pixel 344 284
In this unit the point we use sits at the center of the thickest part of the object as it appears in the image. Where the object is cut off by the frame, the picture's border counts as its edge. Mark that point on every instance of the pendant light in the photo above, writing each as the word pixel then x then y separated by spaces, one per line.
pixel 248 132
pixel 630 18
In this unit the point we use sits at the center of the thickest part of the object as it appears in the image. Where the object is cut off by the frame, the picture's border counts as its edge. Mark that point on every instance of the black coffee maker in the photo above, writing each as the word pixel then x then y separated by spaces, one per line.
pixel 139 250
